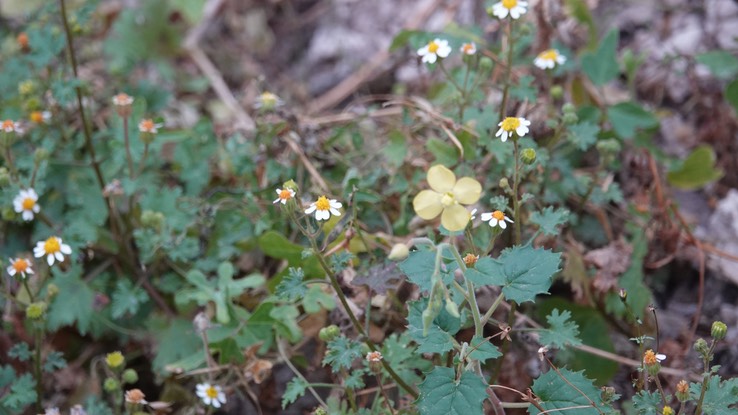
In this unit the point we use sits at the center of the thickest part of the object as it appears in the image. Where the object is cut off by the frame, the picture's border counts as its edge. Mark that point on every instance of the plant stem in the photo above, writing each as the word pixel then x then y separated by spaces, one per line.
pixel 384 394
pixel 129 157
pixel 516 201
pixel 142 163
pixel 492 308
pixel 508 70
pixel 706 363
pixel 310 387
pixel 37 368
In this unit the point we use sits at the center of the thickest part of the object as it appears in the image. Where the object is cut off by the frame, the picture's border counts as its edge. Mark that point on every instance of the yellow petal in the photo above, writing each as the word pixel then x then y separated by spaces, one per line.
pixel 467 191
pixel 455 218
pixel 427 204
pixel 441 179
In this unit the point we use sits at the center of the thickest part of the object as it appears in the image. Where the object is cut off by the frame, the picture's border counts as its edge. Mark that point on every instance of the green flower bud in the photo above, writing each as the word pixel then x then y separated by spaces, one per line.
pixel 41 154
pixel 428 317
pixel 35 311
pixel 51 291
pixel 528 156
pixel 569 118
pixel 568 108
pixel 115 359
pixel 701 347
pixel 609 146
pixel 26 87
pixel 718 330
pixel 557 92
pixel 485 64
pixel 608 394
pixel 111 385
pixel 452 308
pixel 399 252
pixel 290 184
pixel 682 391
pixel 329 333
pixel 320 411
pixel 130 376
pixel 4 177
pixel 623 295
pixel 152 220
pixel 504 183
pixel 653 369
pixel 8 213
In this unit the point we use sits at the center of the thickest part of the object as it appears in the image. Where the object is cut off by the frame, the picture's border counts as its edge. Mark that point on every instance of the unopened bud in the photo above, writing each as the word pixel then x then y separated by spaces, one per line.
pixel 111 385
pixel 682 391
pixel 452 308
pixel 485 64
pixel 504 183
pixel 470 260
pixel 399 252
pixel 701 347
pixel 130 376
pixel 152 220
pixel 52 290
pixel 528 156
pixel 568 108
pixel 623 294
pixel 569 118
pixel 718 330
pixel 35 311
pixel 4 176
pixel 557 92
pixel 41 154
pixel 607 394
pixel 329 333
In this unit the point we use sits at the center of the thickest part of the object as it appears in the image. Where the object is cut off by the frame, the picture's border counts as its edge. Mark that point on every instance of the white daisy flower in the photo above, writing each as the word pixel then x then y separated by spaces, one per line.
pixel 436 48
pixel 496 218
pixel 122 100
pixel 510 125
pixel 53 248
pixel 10 126
pixel 25 204
pixel 324 208
pixel 211 394
pixel 268 101
pixel 19 266
pixel 374 357
pixel 514 8
pixel 40 117
pixel 548 59
pixel 283 195
pixel 468 48
pixel 148 126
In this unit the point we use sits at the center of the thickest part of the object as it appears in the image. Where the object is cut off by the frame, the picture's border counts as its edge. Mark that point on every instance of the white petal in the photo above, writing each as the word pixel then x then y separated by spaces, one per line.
pixel 486 216
pixel 36 208
pixel 27 215
pixel 311 209
pixel 335 204
pixel 493 222
pixel 11 270
pixel 59 257
pixel 423 51
pixel 503 225
pixel 65 249
pixel 215 403
pixel 430 58
pixel 50 259
pixel 335 212
pixel 38 251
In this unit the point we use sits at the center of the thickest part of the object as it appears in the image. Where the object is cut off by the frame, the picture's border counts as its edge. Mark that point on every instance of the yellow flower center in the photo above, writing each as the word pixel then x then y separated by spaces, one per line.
pixel 498 215
pixel 448 200
pixel 122 99
pixel 649 358
pixel 20 265
pixel 147 125
pixel 509 4
pixel 28 203
pixel 668 411
pixel 510 124
pixel 268 99
pixel 37 117
pixel 8 125
pixel 286 195
pixel 211 392
pixel 549 55
pixel 433 47
pixel 467 48
pixel 51 246
pixel 322 203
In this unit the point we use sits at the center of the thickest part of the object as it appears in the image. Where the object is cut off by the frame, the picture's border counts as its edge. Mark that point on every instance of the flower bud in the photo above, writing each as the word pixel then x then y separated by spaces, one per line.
pixel 452 308
pixel 682 391
pixel 290 184
pixel 22 40
pixel 667 410
pixel 8 213
pixel 528 156
pixel 485 64
pixel 399 252
pixel 718 330
pixel 375 362
pixel 41 154
pixel 111 385
pixel 329 333
pixel 26 87
pixel 130 376
pixel 504 183
pixel 557 92
pixel 568 108
pixel 701 347
pixel 569 118
pixel 608 146
pixel 320 411
pixel 623 295
pixel 115 359
pixel 608 394
pixel 51 291
pixel 152 220
pixel 470 260
pixel 4 176
pixel 35 311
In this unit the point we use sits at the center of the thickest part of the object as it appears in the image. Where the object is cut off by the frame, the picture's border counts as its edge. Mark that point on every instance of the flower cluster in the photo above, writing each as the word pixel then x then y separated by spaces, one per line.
pixel 123 104
pixel 322 208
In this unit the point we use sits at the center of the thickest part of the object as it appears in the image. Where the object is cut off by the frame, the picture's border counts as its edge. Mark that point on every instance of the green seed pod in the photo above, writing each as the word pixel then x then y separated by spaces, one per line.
pixel 329 333
pixel 485 64
pixel 35 311
pixel 130 376
pixel 718 330
pixel 152 220
pixel 569 118
pixel 528 156
pixel 111 385
pixel 568 108
pixel 557 92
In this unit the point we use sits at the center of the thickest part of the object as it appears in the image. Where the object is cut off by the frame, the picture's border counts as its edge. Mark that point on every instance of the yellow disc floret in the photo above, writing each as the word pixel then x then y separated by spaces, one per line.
pixel 51 246
pixel 509 4
pixel 322 203
pixel 498 215
pixel 433 47
pixel 211 392
pixel 20 265
pixel 510 124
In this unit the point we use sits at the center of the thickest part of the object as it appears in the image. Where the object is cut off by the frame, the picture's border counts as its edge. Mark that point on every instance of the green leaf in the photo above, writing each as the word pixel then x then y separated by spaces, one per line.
pixel 275 245
pixel 176 340
pixel 562 331
pixel 548 219
pixel 442 394
pixel 355 379
pixel 74 302
pixel 722 64
pixel 419 267
pixel 292 287
pixel 20 351
pixel 127 299
pixel 444 153
pixel 647 403
pixel 316 299
pixel 228 351
pixel 483 349
pixel 55 360
pixel 404 37
pixel 341 353
pixel 583 135
pixel 697 170
pixel 555 393
pixel 402 355
pixel 285 317
pixel 22 393
pixel 601 66
pixel 294 390
pixel 523 272
pixel 731 94
pixel 719 397
pixel 436 340
pixel 396 149
pixel 627 117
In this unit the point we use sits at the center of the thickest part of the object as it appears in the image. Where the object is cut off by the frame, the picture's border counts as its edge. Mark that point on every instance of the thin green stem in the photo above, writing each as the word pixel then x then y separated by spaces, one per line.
pixel 384 394
pixel 37 368
pixel 142 162
pixel 310 386
pixel 492 308
pixel 129 157
pixel 28 289
pixel 508 69
pixel 516 200
pixel 10 163
pixel 706 362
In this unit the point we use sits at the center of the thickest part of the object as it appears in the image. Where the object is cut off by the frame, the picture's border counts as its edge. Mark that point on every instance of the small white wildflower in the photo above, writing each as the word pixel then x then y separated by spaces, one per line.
pixel 496 218
pixel 53 248
pixel 283 195
pixel 510 125
pixel 514 8
pixel 436 48
pixel 25 204
pixel 324 208
pixel 211 394
pixel 548 59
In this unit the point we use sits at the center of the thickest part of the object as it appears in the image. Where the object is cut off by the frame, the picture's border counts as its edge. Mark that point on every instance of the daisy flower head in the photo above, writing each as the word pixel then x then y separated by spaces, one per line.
pixel 211 394
pixel 548 59
pixel 650 358
pixel 53 248
pixel 374 357
pixel 25 204
pixel 514 8
pixel 512 125
pixel 10 126
pixel 148 126
pixel 40 117
pixel 20 266
pixel 436 48
pixel 268 101
pixel 468 49
pixel 447 197
pixel 135 397
pixel 123 103
pixel 496 218
pixel 283 195
pixel 324 208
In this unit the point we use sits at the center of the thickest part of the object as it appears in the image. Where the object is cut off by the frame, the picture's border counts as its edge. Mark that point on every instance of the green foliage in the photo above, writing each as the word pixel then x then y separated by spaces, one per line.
pixel 722 64
pixel 697 170
pixel 21 391
pixel 442 393
pixel 628 117
pixel 20 351
pixel 647 403
pixel 127 299
pixel 292 287
pixel 601 66
pixel 557 393
pixel 549 219
pixel 294 390
pixel 54 361
pixel 562 332
pixel 341 353
pixel 436 340
pixel 482 349
pixel 73 303
pixel 583 135
pixel 721 396
pixel 420 266
pixel 731 94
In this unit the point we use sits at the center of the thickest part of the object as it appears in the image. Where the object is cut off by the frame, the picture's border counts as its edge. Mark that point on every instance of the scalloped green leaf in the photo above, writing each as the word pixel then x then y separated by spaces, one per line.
pixel 601 66
pixel 562 331
pixel 577 390
pixel 442 394
pixel 549 219
pixel 697 170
